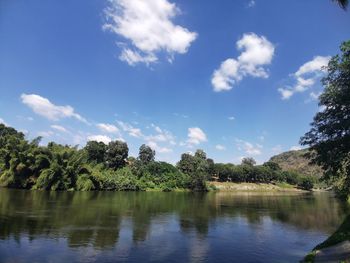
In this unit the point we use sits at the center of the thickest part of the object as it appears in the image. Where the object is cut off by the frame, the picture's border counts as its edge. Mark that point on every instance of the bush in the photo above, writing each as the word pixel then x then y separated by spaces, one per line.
pixel 84 183
pixel 305 183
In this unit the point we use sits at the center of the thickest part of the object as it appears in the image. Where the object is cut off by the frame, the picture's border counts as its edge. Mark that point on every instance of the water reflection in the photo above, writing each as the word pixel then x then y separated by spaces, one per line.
pixel 129 226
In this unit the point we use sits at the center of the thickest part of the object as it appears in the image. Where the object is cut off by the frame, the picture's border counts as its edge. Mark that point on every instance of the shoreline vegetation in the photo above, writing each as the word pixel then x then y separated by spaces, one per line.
pixel 99 167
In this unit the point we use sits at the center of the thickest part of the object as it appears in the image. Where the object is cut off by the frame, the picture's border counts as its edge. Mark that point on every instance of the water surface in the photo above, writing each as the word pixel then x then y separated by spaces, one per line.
pixel 163 227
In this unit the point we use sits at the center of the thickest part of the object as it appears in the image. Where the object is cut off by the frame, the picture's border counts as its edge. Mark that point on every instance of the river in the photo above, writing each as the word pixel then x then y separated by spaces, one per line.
pixel 37 226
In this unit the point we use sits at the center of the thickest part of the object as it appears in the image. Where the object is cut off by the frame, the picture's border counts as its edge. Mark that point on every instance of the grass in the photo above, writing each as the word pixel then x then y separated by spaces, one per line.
pixel 254 187
pixel 340 235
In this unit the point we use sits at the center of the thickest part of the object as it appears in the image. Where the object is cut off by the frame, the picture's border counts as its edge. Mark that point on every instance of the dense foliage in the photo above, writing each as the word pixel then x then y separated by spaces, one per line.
pixel 329 137
pixel 266 173
pixel 97 166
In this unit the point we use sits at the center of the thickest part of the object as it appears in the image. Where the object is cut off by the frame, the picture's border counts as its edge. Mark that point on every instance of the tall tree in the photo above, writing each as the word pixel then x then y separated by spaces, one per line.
pixel 116 154
pixel 146 154
pixel 329 137
pixel 248 161
pixel 96 151
pixel 197 167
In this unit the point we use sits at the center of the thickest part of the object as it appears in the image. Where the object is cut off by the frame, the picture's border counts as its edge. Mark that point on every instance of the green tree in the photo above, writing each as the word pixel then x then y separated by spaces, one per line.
pixel 248 161
pixel 116 154
pixel 196 166
pixel 342 3
pixel 329 137
pixel 146 154
pixel 96 151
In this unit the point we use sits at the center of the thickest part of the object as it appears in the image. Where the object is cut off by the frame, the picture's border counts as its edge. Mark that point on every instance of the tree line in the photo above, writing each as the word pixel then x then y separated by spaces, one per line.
pixel 99 166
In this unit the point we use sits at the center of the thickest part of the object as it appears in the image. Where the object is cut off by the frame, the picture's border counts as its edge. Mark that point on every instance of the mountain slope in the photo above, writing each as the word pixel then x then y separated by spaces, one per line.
pixel 296 161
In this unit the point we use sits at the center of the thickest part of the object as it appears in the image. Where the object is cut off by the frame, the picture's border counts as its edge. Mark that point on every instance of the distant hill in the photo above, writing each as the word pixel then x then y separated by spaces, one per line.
pixel 296 161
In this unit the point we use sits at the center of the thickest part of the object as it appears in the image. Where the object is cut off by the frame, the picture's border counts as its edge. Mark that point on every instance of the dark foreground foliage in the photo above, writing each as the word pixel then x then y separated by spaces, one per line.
pixel 329 136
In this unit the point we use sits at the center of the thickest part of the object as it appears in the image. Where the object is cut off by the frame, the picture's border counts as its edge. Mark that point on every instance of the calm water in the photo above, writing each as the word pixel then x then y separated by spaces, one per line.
pixel 163 227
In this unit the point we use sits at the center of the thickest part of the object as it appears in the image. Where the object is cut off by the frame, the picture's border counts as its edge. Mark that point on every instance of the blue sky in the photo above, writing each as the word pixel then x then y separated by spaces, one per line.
pixel 235 78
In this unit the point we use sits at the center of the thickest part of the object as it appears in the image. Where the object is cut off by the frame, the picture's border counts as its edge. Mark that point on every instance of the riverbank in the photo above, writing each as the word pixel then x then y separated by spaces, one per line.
pixel 335 249
pixel 258 187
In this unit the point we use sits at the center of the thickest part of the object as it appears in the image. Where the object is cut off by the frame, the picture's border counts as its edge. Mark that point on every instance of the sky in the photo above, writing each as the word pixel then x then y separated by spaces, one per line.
pixel 234 78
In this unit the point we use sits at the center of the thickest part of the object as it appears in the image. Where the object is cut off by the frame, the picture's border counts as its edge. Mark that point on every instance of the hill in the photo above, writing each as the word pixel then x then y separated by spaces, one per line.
pixel 296 161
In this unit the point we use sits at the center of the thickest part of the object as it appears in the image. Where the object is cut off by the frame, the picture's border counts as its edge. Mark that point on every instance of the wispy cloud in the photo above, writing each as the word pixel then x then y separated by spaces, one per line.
pixel 43 107
pixel 220 147
pixel 154 145
pixel 131 130
pixel 251 3
pixel 249 148
pixel 305 77
pixel 59 128
pixel 106 127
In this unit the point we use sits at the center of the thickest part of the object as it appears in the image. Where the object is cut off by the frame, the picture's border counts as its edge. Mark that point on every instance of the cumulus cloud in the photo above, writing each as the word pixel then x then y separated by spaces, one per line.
pixel 220 147
pixel 249 148
pixel 148 28
pixel 59 128
pixel 42 106
pixel 196 136
pixel 257 52
pixel 305 77
pixel 99 138
pixel 105 127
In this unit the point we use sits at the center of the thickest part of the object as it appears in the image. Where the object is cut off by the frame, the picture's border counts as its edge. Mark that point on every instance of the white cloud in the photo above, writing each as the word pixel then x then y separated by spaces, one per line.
pixel 231 118
pixel 248 147
pixel 133 57
pixel 220 147
pixel 295 148
pixel 99 138
pixel 59 128
pixel 314 65
pixel 257 52
pixel 158 148
pixel 286 93
pixel 261 138
pixel 181 115
pixel 132 131
pixel 3 122
pixel 196 136
pixel 105 127
pixel 45 133
pixel 42 106
pixel 148 27
pixel 314 95
pixel 251 3
pixel 161 135
pixel 305 77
